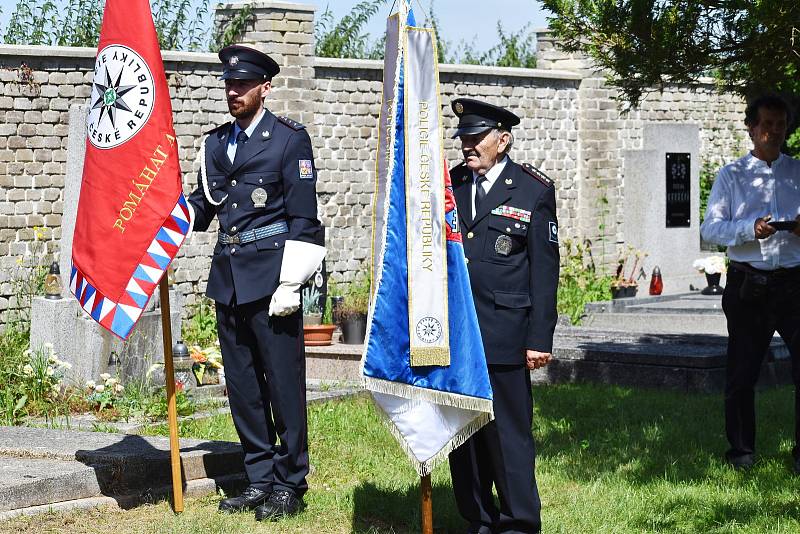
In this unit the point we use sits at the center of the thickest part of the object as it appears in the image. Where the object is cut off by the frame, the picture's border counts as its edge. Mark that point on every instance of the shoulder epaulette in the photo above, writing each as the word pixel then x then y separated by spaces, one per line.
pixel 536 173
pixel 290 123
pixel 212 130
pixel 458 170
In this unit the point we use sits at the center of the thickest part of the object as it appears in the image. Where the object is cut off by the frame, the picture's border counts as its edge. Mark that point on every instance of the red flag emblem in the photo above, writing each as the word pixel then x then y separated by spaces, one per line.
pixel 132 217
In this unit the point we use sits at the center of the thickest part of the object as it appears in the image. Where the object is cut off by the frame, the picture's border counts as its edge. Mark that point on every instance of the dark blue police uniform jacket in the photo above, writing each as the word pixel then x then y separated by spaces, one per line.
pixel 513 264
pixel 271 160
pixel 511 247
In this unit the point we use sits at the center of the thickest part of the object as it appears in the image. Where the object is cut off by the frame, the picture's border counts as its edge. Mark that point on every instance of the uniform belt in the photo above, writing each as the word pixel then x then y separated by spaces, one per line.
pixel 248 236
pixel 777 273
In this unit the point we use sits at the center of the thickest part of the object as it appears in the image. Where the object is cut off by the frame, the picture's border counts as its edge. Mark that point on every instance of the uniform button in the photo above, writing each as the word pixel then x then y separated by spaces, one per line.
pixel 508 229
pixel 470 235
pixel 233 182
pixel 260 181
pixel 276 243
pixel 516 225
pixel 466 260
pixel 213 184
pixel 233 228
pixel 235 205
pixel 233 250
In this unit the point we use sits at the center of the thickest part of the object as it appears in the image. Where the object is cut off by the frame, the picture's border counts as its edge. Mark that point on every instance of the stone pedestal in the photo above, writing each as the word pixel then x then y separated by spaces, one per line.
pixel 91 349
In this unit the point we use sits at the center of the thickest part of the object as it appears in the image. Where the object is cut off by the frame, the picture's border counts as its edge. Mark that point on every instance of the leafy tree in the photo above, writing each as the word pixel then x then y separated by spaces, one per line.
pixel 749 46
pixel 178 24
pixel 346 38
pixel 516 49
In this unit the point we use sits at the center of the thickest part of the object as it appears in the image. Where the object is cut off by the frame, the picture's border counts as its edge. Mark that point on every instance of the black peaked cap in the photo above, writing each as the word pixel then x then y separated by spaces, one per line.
pixel 475 117
pixel 245 63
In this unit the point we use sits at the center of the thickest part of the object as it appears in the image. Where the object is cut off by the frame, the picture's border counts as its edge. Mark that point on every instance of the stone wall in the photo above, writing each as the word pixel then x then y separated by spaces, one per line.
pixel 571 128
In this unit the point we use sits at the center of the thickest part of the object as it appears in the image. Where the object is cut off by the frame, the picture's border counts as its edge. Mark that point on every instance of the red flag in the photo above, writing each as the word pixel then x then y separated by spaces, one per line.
pixel 132 217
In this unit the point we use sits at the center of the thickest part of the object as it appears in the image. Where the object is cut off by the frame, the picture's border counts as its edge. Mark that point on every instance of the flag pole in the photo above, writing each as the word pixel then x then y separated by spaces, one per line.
pixel 172 413
pixel 427 507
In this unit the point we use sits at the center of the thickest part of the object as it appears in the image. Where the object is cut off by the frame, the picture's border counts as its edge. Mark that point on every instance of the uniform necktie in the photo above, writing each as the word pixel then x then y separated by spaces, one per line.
pixel 480 192
pixel 241 137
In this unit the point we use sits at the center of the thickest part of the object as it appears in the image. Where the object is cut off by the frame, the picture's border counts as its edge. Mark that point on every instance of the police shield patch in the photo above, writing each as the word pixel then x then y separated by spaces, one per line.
pixel 306 170
pixel 553 231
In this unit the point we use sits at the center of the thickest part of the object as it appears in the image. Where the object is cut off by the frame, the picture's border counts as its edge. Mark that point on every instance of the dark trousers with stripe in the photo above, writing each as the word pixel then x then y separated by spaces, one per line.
pixel 502 454
pixel 265 371
pixel 751 325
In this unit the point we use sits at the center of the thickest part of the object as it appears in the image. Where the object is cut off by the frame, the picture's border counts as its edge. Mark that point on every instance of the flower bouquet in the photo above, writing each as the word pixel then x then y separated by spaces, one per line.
pixel 207 363
pixel 713 267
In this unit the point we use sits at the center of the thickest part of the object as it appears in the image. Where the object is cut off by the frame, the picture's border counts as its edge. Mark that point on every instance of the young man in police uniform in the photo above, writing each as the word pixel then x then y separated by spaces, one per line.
pixel 258 178
pixel 507 214
pixel 762 294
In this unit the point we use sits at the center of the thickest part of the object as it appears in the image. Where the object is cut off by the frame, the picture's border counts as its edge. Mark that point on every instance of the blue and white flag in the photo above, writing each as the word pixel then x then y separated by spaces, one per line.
pixel 423 359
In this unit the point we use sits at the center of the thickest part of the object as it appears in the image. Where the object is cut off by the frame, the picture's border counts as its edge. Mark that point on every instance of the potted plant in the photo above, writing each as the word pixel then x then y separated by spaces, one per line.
pixel 353 309
pixel 625 286
pixel 712 267
pixel 314 332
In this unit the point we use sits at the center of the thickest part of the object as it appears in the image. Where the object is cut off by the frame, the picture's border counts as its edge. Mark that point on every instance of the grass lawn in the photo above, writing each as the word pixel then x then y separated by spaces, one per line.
pixel 610 460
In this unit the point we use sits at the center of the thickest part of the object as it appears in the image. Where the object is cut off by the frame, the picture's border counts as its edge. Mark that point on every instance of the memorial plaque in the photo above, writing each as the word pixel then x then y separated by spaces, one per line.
pixel 678 198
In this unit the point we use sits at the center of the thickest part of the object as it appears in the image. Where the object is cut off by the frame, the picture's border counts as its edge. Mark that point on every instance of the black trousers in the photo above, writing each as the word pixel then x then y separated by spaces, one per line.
pixel 501 453
pixel 751 325
pixel 265 371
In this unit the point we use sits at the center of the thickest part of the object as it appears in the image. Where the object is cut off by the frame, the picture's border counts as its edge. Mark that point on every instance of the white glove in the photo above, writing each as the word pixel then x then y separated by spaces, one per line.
pixel 286 299
pixel 300 262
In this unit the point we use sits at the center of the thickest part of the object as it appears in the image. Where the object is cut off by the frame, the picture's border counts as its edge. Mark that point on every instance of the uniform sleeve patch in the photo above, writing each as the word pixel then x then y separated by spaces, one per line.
pixel 553 231
pixel 306 169
pixel 290 123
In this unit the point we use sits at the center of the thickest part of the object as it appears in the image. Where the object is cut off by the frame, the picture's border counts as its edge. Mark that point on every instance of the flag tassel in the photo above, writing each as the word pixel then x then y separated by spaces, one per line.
pixel 172 412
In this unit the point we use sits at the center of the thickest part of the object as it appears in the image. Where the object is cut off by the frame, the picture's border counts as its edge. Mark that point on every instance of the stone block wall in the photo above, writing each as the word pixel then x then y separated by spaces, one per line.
pixel 571 128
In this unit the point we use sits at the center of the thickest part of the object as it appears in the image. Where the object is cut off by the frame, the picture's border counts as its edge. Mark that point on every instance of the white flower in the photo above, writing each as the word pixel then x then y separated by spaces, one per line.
pixel 50 371
pixel 65 365
pixel 90 384
pixel 99 388
pixel 111 381
pixel 119 388
pixel 52 359
pixel 710 265
pixel 105 376
pixel 48 346
pixel 27 369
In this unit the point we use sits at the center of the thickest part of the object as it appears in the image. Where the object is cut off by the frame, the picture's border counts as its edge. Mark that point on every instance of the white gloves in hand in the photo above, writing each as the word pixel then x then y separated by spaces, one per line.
pixel 300 262
pixel 286 299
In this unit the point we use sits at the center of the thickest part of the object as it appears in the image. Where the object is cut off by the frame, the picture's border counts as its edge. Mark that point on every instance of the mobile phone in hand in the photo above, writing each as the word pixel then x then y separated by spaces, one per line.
pixel 788 226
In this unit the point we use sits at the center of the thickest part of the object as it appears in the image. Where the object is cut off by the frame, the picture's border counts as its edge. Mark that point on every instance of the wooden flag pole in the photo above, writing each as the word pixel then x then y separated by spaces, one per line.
pixel 427 507
pixel 172 412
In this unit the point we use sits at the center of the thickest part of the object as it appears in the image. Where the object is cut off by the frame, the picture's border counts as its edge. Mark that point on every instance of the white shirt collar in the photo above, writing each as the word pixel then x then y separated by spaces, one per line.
pixel 492 174
pixel 250 129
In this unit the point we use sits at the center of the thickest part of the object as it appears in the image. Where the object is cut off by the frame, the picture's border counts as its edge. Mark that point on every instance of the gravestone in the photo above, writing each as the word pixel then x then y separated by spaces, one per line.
pixel 76 337
pixel 661 185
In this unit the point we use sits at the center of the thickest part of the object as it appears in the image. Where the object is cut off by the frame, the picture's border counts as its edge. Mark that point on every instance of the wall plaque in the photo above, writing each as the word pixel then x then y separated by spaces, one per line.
pixel 678 190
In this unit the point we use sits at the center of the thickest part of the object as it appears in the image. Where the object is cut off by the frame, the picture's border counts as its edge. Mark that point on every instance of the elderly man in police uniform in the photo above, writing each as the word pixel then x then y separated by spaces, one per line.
pixel 507 213
pixel 258 178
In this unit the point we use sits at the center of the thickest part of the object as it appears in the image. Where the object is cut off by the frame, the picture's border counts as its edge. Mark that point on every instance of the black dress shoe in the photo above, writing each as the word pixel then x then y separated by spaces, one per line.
pixel 250 498
pixel 280 504
pixel 741 462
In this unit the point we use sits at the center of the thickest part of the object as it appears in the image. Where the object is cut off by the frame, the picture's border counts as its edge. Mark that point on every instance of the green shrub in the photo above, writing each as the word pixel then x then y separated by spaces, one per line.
pixel 579 281
pixel 201 327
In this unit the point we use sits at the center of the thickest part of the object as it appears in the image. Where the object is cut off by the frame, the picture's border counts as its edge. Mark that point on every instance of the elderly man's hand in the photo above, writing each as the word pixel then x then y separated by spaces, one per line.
pixel 535 359
pixel 762 229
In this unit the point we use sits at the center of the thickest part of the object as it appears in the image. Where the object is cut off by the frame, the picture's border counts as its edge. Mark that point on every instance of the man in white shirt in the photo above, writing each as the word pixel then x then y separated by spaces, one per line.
pixel 753 209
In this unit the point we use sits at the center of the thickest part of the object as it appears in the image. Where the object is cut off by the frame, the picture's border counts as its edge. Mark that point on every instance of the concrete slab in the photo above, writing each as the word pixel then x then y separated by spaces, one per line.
pixel 123 463
pixel 26 482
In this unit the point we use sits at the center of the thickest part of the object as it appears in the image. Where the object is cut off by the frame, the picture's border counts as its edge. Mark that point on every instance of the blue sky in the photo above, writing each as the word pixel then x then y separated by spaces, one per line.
pixel 469 20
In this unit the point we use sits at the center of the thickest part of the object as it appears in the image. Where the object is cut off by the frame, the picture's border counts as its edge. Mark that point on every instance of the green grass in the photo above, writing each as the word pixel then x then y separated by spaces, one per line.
pixel 610 460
